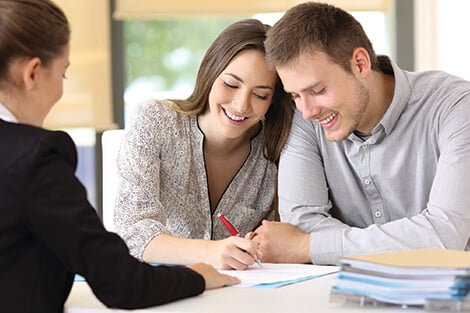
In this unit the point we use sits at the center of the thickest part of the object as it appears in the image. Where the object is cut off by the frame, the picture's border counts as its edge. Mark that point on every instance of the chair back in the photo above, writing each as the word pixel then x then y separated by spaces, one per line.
pixel 110 142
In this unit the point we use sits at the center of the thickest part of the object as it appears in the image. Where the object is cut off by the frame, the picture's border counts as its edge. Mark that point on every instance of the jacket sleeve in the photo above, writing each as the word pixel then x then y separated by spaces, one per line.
pixel 61 216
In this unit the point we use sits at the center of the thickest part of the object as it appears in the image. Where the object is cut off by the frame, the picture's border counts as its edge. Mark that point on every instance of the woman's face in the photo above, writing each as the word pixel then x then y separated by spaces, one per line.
pixel 240 96
pixel 49 85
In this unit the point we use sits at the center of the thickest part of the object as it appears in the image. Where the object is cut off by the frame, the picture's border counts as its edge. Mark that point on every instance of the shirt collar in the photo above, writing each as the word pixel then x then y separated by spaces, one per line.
pixel 6 115
pixel 401 96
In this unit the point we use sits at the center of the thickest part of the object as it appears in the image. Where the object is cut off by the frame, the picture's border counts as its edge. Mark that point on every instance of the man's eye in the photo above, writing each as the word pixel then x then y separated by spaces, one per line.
pixel 318 92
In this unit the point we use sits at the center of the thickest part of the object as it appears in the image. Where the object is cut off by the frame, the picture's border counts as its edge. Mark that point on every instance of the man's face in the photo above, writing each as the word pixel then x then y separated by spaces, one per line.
pixel 326 93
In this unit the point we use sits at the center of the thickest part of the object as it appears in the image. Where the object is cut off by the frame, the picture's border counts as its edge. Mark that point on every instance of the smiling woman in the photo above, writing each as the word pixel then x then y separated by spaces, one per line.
pixel 49 230
pixel 238 101
pixel 184 161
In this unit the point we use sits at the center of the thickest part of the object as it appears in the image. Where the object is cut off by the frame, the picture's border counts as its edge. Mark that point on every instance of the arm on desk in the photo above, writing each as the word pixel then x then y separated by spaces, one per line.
pixel 229 253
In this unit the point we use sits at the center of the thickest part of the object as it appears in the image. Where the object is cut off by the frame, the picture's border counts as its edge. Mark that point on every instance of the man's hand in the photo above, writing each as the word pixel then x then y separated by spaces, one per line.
pixel 281 243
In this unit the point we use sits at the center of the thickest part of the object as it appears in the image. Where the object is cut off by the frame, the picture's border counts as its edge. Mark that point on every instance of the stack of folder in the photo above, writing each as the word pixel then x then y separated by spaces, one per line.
pixel 423 277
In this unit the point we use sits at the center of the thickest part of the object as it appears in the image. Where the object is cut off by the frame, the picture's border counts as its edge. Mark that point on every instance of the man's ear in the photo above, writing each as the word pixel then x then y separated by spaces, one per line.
pixel 31 72
pixel 360 62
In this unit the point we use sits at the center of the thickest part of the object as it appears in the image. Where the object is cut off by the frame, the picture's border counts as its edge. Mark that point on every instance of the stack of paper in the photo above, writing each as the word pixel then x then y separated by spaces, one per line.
pixel 406 277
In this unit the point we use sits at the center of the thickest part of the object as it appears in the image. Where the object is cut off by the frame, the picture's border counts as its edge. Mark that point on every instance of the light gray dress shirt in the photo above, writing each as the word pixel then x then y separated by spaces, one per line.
pixel 406 186
pixel 164 189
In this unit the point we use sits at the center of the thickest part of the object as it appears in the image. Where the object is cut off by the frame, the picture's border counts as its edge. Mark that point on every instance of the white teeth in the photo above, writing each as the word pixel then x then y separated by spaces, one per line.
pixel 234 117
pixel 329 118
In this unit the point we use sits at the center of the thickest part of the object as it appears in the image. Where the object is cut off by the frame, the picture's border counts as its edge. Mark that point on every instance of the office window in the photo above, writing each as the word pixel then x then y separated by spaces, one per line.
pixel 453 48
pixel 377 26
pixel 162 56
pixel 440 36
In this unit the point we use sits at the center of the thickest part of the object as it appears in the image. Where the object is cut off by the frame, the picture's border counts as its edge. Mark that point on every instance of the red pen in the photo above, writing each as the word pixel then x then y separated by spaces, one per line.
pixel 233 231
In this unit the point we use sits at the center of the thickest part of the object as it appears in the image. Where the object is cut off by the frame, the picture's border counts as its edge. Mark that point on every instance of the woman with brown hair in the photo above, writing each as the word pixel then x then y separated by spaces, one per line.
pixel 48 230
pixel 183 162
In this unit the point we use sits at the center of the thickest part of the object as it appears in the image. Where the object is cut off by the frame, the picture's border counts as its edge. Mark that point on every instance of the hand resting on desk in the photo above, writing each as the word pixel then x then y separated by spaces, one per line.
pixel 212 277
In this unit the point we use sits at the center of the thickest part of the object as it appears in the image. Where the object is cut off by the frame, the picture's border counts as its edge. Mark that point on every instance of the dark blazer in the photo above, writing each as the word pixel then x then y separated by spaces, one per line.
pixel 49 232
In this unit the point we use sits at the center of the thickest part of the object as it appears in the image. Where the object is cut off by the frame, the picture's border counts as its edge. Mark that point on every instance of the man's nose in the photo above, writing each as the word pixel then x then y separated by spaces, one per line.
pixel 308 109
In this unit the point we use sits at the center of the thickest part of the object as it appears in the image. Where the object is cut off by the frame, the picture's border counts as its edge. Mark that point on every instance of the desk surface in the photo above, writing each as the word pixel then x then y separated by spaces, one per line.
pixel 309 296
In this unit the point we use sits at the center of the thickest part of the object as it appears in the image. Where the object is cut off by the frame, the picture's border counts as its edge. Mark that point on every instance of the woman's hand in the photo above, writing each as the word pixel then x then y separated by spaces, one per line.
pixel 212 277
pixel 230 253
pixel 233 253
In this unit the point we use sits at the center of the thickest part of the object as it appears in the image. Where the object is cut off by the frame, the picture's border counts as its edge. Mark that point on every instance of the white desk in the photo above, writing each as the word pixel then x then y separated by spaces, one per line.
pixel 309 296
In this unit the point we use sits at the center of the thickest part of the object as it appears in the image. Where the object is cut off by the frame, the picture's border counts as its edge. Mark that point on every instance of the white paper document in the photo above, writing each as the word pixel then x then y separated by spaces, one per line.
pixel 271 275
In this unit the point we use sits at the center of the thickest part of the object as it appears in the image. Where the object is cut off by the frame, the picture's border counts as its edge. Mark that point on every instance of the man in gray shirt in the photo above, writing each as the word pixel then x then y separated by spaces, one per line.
pixel 378 158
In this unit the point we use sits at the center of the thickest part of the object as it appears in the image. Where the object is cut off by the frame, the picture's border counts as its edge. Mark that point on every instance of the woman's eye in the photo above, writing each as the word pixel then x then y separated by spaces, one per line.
pixel 229 85
pixel 260 96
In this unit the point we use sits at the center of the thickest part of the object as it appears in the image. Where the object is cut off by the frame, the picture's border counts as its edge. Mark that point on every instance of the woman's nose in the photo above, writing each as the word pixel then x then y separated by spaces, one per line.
pixel 242 102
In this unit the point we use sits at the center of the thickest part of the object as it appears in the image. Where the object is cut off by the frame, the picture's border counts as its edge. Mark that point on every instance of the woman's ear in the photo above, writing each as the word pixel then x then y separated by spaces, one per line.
pixel 30 72
pixel 360 62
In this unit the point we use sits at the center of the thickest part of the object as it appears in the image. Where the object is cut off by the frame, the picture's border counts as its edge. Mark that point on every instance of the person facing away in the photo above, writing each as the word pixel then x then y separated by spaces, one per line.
pixel 378 158
pixel 48 230
pixel 182 162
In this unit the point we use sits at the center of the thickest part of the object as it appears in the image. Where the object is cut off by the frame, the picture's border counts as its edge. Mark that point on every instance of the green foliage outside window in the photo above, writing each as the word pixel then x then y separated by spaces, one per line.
pixel 164 55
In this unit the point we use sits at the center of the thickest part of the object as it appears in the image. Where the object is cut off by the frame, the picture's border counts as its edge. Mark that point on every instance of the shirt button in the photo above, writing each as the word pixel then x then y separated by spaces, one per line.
pixel 364 147
pixel 366 181
pixel 378 214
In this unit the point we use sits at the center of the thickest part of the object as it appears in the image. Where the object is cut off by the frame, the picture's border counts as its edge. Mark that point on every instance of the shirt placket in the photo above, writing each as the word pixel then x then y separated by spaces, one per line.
pixel 375 200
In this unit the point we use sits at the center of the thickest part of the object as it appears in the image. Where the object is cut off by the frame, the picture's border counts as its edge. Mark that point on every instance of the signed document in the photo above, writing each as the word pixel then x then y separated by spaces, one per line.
pixel 273 275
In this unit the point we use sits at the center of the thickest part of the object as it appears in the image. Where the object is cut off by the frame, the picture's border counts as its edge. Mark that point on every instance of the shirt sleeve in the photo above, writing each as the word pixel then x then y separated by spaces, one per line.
pixel 139 215
pixel 303 192
pixel 62 218
pixel 444 221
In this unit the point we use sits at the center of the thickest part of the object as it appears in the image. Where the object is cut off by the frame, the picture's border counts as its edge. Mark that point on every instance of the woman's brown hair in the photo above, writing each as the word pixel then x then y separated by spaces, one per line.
pixel 241 35
pixel 31 28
